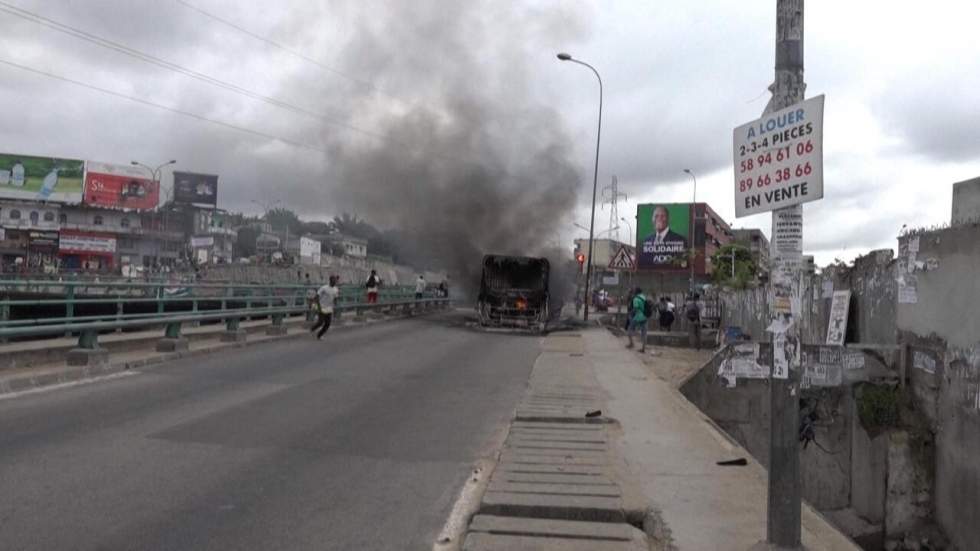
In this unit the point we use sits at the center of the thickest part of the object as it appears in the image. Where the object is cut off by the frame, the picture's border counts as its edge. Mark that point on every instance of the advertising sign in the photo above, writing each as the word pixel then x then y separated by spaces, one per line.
pixel 190 187
pixel 779 159
pixel 664 234
pixel 119 186
pixel 43 240
pixel 77 242
pixel 197 242
pixel 41 178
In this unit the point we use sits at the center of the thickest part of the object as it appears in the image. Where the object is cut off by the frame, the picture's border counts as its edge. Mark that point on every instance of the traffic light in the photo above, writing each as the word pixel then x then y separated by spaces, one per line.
pixel 581 261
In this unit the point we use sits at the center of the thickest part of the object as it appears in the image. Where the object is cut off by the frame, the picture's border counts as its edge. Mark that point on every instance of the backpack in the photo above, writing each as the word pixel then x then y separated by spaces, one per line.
pixel 692 312
pixel 647 308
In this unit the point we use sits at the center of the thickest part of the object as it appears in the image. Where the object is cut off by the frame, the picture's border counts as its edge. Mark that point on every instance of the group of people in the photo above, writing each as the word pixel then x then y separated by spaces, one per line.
pixel 641 309
pixel 324 300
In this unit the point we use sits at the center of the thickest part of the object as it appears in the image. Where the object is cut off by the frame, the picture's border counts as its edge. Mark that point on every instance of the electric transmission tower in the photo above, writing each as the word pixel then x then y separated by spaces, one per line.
pixel 610 196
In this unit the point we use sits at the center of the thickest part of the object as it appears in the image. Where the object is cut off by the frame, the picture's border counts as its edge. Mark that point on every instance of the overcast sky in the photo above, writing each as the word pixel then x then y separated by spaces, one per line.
pixel 902 81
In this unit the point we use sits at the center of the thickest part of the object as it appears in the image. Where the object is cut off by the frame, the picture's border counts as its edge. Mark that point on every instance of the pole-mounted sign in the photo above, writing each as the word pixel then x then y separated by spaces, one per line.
pixel 779 159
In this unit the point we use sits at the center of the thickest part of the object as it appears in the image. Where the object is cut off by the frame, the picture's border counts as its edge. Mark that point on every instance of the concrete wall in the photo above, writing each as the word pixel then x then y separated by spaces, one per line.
pixel 938 316
pixel 869 472
pixel 966 202
pixel 872 313
pixel 350 270
pixel 743 412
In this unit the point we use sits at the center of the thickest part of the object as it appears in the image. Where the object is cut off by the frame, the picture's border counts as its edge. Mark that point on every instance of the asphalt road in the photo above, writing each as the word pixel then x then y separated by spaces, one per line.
pixel 359 441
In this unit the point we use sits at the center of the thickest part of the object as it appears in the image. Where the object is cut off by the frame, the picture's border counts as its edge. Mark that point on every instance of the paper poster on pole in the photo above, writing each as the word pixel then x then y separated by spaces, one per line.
pixel 780 363
pixel 786 251
pixel 779 159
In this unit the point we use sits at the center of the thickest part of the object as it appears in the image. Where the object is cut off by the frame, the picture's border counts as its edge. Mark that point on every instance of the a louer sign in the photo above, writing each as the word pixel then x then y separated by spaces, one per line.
pixel 779 159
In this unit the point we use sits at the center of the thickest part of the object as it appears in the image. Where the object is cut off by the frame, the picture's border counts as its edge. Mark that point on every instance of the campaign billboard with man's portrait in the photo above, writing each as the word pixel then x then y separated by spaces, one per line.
pixel 663 235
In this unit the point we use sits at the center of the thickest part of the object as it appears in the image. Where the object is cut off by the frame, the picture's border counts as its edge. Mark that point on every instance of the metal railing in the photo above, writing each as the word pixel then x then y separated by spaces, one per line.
pixel 87 308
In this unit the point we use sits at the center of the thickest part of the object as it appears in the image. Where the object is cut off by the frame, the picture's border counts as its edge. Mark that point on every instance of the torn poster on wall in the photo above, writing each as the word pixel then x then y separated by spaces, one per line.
pixel 828 289
pixel 824 375
pixel 839 307
pixel 854 359
pixel 923 361
pixel 743 361
pixel 905 267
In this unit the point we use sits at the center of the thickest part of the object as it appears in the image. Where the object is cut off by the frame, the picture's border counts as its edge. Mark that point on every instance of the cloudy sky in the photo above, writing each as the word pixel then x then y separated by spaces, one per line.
pixel 298 80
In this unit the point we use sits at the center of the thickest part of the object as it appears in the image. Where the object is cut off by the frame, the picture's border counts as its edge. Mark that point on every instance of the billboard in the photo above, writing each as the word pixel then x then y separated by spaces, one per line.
pixel 41 178
pixel 663 232
pixel 190 187
pixel 119 186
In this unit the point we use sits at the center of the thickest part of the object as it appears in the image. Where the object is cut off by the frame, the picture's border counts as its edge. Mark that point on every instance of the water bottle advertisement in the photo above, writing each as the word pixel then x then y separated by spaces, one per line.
pixel 41 178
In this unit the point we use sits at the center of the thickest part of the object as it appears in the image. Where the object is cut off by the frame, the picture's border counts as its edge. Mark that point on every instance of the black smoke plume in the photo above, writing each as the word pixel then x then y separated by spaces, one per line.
pixel 470 163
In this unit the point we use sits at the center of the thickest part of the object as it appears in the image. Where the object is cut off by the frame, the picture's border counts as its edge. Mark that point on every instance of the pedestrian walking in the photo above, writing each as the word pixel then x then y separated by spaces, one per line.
pixel 372 285
pixel 326 299
pixel 666 314
pixel 642 310
pixel 692 311
pixel 629 309
pixel 419 287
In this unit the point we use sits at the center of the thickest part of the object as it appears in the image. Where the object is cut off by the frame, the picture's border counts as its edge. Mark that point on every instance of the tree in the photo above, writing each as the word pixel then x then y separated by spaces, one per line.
pixel 280 219
pixel 745 266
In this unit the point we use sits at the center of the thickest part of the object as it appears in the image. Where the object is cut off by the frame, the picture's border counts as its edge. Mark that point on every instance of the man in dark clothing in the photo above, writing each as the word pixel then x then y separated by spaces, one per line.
pixel 692 311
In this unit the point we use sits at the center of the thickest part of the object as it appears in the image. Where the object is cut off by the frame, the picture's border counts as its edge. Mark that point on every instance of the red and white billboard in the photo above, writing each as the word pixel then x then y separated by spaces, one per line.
pixel 119 186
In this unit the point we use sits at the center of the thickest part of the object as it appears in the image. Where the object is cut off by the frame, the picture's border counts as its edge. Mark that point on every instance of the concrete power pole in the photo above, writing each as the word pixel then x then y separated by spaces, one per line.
pixel 783 520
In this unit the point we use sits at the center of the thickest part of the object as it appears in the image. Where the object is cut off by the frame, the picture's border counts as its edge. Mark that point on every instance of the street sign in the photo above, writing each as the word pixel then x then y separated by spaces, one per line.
pixel 779 159
pixel 622 260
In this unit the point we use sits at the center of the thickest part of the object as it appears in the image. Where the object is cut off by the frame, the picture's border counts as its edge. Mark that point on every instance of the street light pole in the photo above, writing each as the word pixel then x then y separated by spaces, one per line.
pixel 595 180
pixel 630 227
pixel 694 211
pixel 155 174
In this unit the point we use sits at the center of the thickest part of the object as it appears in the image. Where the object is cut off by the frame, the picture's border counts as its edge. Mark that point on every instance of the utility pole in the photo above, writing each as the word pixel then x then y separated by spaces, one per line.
pixel 783 519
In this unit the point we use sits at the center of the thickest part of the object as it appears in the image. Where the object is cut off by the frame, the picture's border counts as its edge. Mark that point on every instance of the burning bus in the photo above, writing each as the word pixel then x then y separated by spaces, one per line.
pixel 514 292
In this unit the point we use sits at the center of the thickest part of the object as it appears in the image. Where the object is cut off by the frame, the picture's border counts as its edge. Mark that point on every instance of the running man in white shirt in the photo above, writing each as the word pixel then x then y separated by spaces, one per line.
pixel 326 299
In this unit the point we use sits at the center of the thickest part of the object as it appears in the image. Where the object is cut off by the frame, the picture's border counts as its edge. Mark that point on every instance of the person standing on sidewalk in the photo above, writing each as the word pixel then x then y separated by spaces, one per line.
pixel 373 282
pixel 419 287
pixel 642 310
pixel 326 299
pixel 692 311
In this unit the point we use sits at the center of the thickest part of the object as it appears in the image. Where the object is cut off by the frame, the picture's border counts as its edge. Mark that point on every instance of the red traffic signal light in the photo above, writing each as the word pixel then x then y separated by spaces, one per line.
pixel 581 261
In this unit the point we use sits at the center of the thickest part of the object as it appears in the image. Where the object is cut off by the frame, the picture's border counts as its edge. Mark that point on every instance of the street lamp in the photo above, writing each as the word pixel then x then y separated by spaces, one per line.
pixel 694 210
pixel 155 174
pixel 595 179
pixel 630 226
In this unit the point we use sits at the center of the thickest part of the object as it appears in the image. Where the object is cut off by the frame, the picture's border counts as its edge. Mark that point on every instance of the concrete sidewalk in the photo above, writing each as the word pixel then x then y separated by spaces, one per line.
pixel 672 450
pixel 640 475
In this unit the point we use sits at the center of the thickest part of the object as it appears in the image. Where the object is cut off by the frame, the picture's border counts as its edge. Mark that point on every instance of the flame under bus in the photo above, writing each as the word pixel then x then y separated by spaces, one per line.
pixel 514 292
